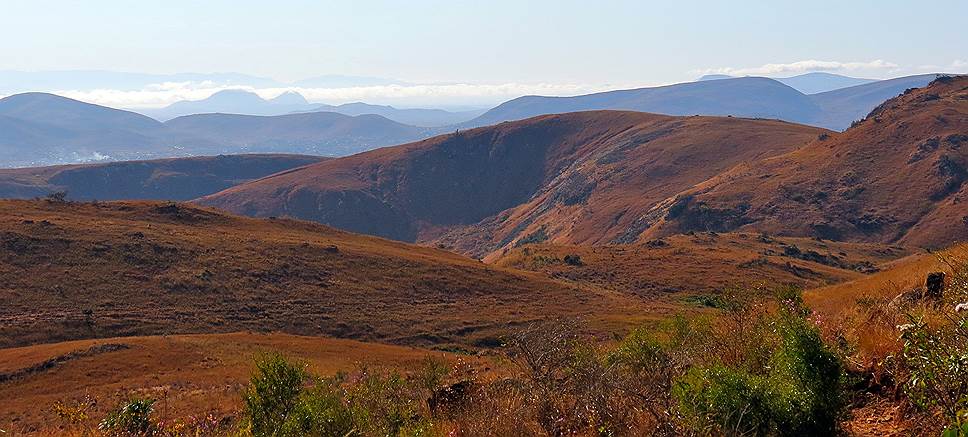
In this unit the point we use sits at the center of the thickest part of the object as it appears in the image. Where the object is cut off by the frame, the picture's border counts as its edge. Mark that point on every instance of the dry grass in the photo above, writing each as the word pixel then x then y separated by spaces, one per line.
pixel 190 375
pixel 898 176
pixel 862 312
pixel 72 270
pixel 705 263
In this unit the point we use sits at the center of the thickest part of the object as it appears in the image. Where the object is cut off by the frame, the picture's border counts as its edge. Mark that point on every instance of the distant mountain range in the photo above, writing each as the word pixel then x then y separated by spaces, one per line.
pixel 809 83
pixel 161 179
pixel 756 97
pixel 43 129
pixel 249 103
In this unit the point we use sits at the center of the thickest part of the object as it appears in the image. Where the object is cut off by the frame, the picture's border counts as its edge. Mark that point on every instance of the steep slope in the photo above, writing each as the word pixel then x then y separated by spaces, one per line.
pixel 72 270
pixel 318 133
pixel 898 176
pixel 840 108
pixel 163 179
pixel 571 178
pixel 742 97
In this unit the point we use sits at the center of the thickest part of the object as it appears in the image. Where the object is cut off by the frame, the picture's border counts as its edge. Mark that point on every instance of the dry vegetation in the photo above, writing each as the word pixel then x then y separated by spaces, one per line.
pixel 81 270
pixel 897 176
pixel 189 375
pixel 702 264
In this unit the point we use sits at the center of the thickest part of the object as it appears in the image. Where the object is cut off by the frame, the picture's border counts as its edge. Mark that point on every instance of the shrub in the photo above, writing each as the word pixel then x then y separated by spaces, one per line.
pixel 938 362
pixel 273 394
pixel 319 411
pixel 573 260
pixel 780 379
pixel 936 355
pixel 283 399
pixel 57 197
pixel 131 419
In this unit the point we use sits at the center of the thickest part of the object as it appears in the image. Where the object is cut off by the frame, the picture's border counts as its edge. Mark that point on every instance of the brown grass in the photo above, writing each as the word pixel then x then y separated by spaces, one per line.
pixel 898 176
pixel 72 270
pixel 190 375
pixel 705 263
pixel 862 312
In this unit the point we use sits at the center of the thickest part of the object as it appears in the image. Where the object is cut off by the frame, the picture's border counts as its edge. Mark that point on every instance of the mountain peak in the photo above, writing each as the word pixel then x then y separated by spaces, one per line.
pixel 289 98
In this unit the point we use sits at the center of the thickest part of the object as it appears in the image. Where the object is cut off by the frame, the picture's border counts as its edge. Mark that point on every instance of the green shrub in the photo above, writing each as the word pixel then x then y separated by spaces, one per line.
pixel 935 354
pixel 937 359
pixel 273 393
pixel 319 411
pixel 283 399
pixel 130 419
pixel 722 400
pixel 797 391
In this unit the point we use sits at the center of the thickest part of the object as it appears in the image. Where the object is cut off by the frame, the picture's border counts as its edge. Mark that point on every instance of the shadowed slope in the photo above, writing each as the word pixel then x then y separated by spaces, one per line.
pixel 577 178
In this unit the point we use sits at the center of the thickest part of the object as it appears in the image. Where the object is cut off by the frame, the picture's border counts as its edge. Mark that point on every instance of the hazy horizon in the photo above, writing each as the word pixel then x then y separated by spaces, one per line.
pixel 453 54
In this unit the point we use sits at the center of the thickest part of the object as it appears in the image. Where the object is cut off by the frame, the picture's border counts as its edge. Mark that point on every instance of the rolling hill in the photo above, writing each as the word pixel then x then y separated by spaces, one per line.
pixel 742 97
pixel 39 129
pixel 897 176
pixel 701 265
pixel 412 116
pixel 315 133
pixel 163 179
pixel 808 83
pixel 571 178
pixel 242 102
pixel 85 270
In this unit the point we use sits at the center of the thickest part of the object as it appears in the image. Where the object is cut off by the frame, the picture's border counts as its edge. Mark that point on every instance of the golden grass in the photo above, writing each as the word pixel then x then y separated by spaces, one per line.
pixel 188 374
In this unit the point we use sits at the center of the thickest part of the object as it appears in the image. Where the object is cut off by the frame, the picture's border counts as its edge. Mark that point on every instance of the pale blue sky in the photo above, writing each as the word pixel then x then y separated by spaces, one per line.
pixel 579 43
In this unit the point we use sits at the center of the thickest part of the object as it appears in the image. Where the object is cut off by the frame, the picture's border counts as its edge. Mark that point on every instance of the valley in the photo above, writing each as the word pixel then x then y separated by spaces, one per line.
pixel 483 219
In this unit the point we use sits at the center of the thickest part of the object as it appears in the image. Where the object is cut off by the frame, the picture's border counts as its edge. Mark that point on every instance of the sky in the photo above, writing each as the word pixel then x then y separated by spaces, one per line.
pixel 473 52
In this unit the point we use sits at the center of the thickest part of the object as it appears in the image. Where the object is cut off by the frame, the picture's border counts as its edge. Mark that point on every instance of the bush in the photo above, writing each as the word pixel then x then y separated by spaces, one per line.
pixel 573 260
pixel 936 356
pixel 938 362
pixel 319 411
pixel 283 399
pixel 131 419
pixel 273 394
pixel 784 381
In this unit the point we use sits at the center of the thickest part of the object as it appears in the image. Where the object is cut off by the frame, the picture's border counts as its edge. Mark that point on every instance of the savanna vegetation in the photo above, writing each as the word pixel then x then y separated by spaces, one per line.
pixel 764 364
